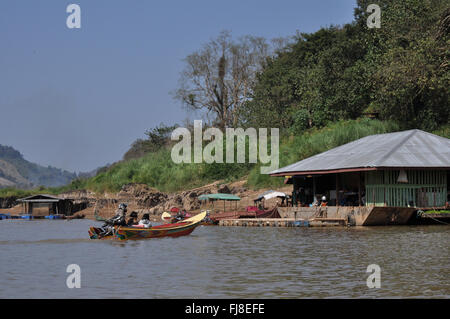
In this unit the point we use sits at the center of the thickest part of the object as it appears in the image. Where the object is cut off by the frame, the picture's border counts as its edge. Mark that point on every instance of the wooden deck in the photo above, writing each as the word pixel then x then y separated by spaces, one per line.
pixel 283 222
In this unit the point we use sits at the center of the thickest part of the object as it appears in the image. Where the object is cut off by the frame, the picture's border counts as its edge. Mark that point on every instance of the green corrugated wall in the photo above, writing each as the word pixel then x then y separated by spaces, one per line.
pixel 426 188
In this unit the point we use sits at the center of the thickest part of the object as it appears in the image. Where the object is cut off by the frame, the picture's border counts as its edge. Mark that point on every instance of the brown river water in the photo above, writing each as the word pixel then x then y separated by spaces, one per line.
pixel 225 262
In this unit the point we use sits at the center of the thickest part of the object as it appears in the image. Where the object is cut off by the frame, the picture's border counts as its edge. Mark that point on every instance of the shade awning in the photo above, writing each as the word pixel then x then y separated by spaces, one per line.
pixel 219 196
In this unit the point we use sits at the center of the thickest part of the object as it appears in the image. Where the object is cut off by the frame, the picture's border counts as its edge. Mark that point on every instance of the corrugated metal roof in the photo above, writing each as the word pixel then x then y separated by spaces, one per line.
pixel 406 149
pixel 40 198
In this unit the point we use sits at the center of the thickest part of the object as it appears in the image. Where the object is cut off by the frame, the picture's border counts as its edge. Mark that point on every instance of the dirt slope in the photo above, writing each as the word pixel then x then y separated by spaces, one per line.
pixel 144 199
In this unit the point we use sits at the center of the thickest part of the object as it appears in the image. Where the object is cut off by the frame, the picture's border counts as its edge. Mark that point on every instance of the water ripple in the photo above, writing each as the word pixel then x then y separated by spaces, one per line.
pixel 221 262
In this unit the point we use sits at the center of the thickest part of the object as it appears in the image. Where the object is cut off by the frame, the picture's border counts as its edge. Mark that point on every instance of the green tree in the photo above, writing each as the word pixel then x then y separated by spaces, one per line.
pixel 157 138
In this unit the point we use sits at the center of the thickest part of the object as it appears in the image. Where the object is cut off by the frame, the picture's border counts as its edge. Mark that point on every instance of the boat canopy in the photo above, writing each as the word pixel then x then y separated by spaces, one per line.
pixel 219 196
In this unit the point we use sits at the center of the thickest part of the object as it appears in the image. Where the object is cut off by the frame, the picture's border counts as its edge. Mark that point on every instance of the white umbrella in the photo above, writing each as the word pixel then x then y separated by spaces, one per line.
pixel 274 194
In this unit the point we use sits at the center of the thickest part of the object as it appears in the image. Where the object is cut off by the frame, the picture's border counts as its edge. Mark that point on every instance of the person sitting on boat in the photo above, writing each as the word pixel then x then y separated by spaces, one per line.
pixel 207 218
pixel 180 215
pixel 145 221
pixel 133 219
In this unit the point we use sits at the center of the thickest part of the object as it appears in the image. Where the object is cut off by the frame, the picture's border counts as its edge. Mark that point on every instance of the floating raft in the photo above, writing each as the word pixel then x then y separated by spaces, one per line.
pixel 54 217
pixel 436 215
pixel 283 222
pixel 30 217
pixel 5 216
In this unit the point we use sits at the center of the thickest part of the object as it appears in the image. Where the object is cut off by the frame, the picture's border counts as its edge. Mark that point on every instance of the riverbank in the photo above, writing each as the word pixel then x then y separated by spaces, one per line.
pixel 143 199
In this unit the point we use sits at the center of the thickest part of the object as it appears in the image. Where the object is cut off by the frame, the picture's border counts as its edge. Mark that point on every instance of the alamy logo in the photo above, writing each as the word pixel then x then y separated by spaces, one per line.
pixel 374 20
pixel 213 151
pixel 74 19
pixel 74 279
pixel 374 279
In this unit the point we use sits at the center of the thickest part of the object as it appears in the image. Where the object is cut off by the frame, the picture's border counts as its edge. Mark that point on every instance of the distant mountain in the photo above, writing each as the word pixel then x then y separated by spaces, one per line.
pixel 94 172
pixel 15 171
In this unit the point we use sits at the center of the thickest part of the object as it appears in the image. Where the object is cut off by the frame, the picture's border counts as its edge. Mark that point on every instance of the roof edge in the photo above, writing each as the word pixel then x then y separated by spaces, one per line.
pixel 356 169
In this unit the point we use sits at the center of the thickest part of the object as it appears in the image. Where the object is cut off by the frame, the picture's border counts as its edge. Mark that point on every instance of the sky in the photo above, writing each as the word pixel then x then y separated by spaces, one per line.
pixel 76 99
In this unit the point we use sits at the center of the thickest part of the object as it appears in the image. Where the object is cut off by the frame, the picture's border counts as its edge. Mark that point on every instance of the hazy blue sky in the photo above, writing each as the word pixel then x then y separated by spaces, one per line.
pixel 77 98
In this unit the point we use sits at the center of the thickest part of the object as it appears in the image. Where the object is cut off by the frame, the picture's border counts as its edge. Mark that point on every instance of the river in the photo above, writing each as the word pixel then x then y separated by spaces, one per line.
pixel 225 262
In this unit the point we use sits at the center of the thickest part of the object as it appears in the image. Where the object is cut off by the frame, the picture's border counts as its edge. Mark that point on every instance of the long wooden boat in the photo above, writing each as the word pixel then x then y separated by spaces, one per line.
pixel 182 228
pixel 271 213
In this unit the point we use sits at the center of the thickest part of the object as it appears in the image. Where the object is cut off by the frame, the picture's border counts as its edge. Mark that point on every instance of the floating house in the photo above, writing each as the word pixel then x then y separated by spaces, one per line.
pixel 45 205
pixel 376 180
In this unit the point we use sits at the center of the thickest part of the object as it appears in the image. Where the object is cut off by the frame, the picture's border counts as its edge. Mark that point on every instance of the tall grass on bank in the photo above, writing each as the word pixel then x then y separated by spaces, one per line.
pixel 21 193
pixel 443 131
pixel 159 171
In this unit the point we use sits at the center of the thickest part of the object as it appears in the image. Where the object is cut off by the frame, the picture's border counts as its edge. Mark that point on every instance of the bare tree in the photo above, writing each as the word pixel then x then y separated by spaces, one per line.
pixel 219 77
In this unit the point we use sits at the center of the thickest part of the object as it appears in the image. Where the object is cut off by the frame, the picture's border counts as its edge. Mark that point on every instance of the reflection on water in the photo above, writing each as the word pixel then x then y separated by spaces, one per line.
pixel 224 262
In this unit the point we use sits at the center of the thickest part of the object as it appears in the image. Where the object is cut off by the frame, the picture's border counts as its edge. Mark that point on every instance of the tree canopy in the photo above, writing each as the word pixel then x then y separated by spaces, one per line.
pixel 399 71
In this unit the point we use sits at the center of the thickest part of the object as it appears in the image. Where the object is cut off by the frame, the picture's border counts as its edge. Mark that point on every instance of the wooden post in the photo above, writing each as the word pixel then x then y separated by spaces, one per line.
pixel 314 188
pixel 359 188
pixel 337 191
pixel 373 196
pixel 434 196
